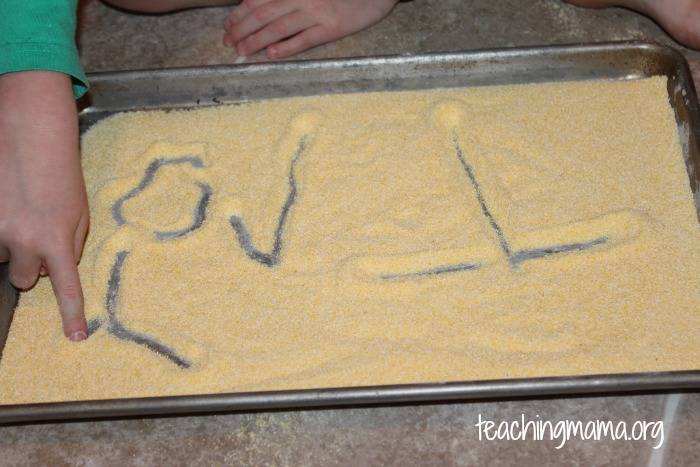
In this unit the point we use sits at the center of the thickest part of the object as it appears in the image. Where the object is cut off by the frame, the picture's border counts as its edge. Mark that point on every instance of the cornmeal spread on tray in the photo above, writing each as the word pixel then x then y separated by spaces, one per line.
pixel 371 239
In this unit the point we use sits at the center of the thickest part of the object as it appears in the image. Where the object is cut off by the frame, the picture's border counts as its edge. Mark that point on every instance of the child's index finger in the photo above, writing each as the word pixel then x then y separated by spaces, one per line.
pixel 65 281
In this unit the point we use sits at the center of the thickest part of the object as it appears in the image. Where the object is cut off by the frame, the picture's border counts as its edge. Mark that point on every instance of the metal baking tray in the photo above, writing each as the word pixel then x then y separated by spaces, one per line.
pixel 206 86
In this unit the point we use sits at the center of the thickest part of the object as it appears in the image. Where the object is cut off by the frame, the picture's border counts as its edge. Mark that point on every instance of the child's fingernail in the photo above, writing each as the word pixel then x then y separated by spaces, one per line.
pixel 272 52
pixel 78 336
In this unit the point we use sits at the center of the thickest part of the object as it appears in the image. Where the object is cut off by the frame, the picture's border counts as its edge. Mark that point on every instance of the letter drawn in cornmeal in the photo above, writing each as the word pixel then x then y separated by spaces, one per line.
pixel 515 258
pixel 295 142
pixel 609 229
pixel 148 177
pixel 273 257
pixel 116 328
pixel 114 325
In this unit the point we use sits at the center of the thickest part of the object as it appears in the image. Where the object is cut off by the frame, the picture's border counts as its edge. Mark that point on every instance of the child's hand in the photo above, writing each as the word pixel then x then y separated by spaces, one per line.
pixel 287 27
pixel 43 205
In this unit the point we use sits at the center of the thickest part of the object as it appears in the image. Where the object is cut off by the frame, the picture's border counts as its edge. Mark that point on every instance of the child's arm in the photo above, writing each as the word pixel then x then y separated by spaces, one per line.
pixel 43 208
pixel 43 205
pixel 287 27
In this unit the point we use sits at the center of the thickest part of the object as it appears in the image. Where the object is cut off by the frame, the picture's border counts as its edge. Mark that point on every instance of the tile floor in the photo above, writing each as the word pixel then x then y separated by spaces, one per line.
pixel 421 434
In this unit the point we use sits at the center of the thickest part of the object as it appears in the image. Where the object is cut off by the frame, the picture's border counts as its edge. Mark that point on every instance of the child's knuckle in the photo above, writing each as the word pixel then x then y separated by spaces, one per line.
pixel 281 27
pixel 71 291
pixel 264 14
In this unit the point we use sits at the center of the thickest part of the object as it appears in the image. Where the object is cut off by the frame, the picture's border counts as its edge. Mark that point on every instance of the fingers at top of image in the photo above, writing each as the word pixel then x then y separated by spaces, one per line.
pixel 305 40
pixel 249 19
pixel 286 27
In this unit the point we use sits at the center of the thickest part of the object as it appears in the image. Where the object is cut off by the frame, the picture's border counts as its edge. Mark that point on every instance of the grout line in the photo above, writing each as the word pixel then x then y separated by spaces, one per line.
pixel 656 459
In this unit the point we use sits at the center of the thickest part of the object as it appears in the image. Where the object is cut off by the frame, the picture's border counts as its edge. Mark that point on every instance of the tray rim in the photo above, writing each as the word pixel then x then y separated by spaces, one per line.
pixel 385 394
pixel 494 57
pixel 381 60
pixel 478 390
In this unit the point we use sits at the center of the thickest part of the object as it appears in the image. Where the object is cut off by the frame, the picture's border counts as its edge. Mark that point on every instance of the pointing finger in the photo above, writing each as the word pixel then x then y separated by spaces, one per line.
pixel 65 281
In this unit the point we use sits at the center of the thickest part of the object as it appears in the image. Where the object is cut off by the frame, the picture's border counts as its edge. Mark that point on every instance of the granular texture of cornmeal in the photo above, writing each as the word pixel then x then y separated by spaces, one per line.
pixel 371 239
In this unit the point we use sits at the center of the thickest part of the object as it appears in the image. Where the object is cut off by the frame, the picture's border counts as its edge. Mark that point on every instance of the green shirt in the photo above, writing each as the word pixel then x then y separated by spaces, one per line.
pixel 40 35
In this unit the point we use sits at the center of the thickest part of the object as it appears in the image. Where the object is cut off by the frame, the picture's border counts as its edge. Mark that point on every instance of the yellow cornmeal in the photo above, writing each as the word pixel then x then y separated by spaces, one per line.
pixel 448 235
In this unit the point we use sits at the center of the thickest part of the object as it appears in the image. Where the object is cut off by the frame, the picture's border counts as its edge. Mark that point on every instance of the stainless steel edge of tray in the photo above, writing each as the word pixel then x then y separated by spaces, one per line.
pixel 356 396
pixel 226 84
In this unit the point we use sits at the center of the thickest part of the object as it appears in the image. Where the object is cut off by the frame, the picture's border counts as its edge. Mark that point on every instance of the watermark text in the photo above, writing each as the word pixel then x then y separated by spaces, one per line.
pixel 564 430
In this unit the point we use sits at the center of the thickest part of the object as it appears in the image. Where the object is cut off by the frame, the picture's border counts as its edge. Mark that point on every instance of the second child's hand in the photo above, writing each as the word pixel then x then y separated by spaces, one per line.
pixel 287 27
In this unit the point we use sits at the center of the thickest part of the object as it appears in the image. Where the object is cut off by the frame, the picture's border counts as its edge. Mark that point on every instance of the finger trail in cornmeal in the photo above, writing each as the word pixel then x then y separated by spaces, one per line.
pixel 373 239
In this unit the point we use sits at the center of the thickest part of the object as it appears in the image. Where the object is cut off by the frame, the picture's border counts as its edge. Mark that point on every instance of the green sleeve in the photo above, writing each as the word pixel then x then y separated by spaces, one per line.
pixel 40 35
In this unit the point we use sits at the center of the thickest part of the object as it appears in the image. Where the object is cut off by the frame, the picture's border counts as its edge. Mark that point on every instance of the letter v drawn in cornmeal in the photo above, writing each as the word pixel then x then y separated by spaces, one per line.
pixel 294 143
